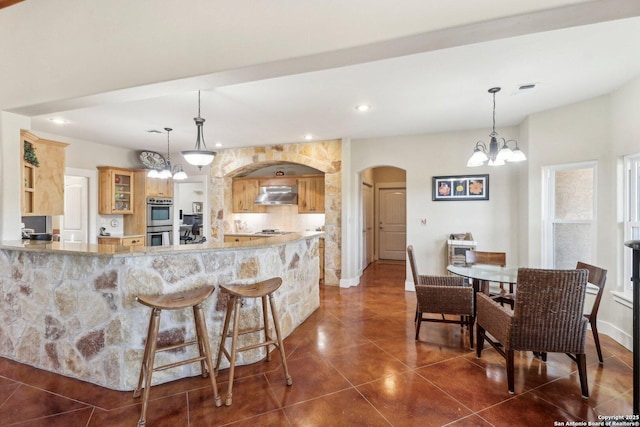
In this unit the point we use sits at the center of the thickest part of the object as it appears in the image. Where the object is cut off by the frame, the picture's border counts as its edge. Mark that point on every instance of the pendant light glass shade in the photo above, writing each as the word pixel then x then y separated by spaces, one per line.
pixel 179 173
pixel 494 156
pixel 200 156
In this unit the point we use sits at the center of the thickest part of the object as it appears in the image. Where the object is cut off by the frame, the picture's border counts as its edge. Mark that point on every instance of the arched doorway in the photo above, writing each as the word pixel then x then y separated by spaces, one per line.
pixel 383 207
pixel 325 156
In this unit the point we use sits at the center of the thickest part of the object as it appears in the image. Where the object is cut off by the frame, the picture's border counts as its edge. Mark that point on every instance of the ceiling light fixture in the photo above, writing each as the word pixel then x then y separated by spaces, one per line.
pixel 363 107
pixel 58 120
pixel 495 156
pixel 308 137
pixel 168 172
pixel 199 157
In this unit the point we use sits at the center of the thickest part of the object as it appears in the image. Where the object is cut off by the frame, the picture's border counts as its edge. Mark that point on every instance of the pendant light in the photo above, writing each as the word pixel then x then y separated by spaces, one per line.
pixel 199 156
pixel 495 155
pixel 166 172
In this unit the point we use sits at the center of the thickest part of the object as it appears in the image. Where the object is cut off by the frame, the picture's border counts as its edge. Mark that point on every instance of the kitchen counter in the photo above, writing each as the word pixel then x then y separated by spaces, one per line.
pixel 75 248
pixel 70 308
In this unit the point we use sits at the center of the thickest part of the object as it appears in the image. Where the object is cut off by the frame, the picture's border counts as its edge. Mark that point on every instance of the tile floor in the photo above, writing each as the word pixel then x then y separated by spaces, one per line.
pixel 353 362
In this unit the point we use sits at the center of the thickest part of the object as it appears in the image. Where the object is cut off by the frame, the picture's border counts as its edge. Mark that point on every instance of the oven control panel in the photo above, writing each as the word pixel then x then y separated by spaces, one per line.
pixel 159 201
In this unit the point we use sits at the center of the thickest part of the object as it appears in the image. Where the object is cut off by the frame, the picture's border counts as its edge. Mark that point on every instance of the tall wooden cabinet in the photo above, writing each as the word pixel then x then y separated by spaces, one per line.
pixel 311 194
pixel 42 190
pixel 116 192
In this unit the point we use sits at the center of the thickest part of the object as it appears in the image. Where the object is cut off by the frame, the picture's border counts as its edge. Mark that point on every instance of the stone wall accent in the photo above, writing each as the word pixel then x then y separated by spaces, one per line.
pixel 325 156
pixel 80 318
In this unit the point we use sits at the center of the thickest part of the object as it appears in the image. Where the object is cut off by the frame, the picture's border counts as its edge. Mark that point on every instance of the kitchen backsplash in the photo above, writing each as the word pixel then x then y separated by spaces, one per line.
pixel 284 218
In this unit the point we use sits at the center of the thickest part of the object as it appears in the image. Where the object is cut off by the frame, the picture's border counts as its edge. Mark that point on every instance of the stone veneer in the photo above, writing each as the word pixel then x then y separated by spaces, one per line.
pixel 325 156
pixel 76 314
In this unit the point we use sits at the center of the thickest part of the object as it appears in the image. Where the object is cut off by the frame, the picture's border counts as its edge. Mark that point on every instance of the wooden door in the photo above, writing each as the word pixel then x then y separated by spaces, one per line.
pixel 392 227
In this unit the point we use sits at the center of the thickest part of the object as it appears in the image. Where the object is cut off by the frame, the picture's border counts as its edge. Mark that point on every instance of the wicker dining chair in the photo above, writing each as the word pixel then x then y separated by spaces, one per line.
pixel 597 277
pixel 442 295
pixel 547 318
pixel 492 258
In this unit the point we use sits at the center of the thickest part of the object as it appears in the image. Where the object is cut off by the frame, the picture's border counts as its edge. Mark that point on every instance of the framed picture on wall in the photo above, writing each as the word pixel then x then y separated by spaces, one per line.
pixel 196 207
pixel 460 187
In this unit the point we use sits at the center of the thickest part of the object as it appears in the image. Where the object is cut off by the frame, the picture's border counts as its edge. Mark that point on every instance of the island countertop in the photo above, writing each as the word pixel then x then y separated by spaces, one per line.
pixel 76 248
pixel 71 308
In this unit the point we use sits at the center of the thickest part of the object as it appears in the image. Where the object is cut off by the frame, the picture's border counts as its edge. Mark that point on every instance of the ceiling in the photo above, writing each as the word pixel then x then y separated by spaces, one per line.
pixel 428 82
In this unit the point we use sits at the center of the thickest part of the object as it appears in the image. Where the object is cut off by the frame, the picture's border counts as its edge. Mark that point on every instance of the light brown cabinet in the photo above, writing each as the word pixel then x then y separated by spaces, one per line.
pixel 311 194
pixel 244 193
pixel 42 187
pixel 116 190
pixel 122 241
pixel 155 187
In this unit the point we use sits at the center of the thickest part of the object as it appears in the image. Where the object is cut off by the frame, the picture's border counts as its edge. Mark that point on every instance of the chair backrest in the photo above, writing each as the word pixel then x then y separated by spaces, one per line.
pixel 492 258
pixel 597 277
pixel 548 311
pixel 412 263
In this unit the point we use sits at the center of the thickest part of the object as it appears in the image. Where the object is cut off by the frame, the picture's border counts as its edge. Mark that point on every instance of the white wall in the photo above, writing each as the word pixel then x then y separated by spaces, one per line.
pixel 10 152
pixel 493 223
pixel 574 133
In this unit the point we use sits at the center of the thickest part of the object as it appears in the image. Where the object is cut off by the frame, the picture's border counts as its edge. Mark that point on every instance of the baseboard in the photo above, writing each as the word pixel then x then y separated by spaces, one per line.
pixel 409 286
pixel 349 282
pixel 615 333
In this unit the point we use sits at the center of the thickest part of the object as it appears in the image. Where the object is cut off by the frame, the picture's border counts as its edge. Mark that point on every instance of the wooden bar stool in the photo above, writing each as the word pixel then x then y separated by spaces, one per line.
pixel 175 301
pixel 237 293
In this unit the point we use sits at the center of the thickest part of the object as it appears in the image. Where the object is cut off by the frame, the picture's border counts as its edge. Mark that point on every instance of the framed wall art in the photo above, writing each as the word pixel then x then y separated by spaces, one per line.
pixel 460 187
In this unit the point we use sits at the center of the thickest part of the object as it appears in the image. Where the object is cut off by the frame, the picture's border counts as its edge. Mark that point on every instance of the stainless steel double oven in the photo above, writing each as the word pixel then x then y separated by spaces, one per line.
pixel 159 221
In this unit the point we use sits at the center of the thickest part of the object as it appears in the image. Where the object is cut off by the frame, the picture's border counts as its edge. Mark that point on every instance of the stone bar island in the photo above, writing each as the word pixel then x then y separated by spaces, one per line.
pixel 70 308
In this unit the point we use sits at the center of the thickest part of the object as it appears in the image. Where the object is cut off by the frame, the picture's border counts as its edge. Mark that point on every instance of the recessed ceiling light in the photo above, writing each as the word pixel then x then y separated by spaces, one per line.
pixel 308 137
pixel 58 120
pixel 218 144
pixel 363 107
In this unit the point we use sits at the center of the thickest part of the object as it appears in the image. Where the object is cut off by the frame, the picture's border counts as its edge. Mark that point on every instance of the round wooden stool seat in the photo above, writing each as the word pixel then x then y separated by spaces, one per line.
pixel 255 290
pixel 193 299
pixel 263 290
pixel 176 300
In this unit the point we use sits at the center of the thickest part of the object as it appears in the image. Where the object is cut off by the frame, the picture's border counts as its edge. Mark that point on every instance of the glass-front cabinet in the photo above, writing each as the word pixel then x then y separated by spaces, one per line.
pixel 116 190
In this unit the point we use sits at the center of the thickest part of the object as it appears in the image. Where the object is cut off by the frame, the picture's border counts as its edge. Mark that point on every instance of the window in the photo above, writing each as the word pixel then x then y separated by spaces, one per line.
pixel 631 211
pixel 569 215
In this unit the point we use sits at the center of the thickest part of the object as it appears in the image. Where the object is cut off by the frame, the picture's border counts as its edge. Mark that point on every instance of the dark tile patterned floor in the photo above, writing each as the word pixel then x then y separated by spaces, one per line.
pixel 353 362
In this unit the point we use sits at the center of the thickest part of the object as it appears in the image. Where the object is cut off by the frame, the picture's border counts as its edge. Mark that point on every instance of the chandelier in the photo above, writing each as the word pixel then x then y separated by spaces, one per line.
pixel 495 156
pixel 168 172
pixel 199 157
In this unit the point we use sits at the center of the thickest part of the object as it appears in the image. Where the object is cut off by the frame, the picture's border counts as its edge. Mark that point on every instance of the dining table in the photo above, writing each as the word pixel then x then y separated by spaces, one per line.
pixel 482 274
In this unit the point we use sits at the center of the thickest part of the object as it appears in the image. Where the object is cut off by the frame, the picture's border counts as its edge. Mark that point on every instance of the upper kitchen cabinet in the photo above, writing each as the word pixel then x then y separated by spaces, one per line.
pixel 311 194
pixel 42 168
pixel 115 191
pixel 157 187
pixel 245 191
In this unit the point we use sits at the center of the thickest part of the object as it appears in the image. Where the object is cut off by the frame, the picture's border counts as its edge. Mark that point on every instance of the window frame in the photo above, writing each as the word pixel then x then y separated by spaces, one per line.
pixel 548 211
pixel 631 213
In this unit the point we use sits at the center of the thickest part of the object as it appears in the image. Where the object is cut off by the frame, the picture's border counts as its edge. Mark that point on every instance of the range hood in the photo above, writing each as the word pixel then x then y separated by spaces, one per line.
pixel 277 195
